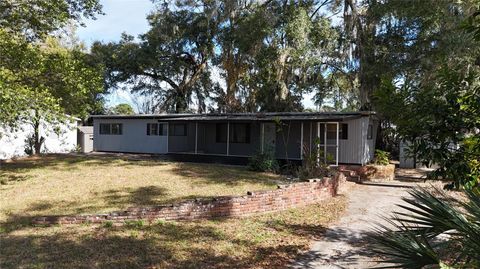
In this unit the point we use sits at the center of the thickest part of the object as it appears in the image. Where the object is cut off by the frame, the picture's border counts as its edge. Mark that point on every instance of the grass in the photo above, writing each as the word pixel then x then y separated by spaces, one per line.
pixel 61 185
pixel 263 241
pixel 65 184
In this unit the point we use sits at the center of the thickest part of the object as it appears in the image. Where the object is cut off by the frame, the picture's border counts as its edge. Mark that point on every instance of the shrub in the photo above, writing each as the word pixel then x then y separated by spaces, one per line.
pixel 135 224
pixel 108 224
pixel 314 165
pixel 263 162
pixel 382 157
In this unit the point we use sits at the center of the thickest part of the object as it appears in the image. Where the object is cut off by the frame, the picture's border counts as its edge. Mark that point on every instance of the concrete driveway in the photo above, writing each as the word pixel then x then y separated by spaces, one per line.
pixel 345 245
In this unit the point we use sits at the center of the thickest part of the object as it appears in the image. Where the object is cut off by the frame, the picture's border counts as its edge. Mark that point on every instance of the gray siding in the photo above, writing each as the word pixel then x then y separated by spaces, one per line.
pixel 351 150
pixel 369 144
pixel 133 138
pixel 357 149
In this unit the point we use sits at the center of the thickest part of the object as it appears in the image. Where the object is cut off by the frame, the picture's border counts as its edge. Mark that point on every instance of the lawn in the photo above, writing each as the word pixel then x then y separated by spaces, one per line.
pixel 62 185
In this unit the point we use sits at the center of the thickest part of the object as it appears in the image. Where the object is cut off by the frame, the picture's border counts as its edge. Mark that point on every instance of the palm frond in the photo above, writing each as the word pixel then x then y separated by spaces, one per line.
pixel 431 227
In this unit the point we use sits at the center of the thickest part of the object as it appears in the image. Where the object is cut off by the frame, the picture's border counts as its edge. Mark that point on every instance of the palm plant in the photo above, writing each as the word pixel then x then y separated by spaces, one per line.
pixel 434 230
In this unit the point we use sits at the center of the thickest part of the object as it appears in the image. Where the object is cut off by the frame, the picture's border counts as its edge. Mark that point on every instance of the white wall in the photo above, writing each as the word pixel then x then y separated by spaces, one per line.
pixel 133 139
pixel 12 144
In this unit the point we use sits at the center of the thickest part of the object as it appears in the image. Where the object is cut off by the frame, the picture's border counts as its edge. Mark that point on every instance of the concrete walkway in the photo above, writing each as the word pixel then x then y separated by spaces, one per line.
pixel 345 245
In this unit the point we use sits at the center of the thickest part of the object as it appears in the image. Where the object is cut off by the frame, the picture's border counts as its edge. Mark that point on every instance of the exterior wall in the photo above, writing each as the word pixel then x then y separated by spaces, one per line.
pixel 352 150
pixel 357 149
pixel 369 152
pixel 133 138
pixel 12 144
pixel 85 138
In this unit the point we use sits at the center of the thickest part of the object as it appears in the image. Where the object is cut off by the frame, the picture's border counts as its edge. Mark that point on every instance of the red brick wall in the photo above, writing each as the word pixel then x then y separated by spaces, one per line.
pixel 284 197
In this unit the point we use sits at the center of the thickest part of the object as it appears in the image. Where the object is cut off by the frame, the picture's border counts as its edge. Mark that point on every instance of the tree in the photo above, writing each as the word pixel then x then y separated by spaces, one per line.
pixel 434 229
pixel 36 19
pixel 41 83
pixel 39 80
pixel 122 109
pixel 293 58
pixel 171 60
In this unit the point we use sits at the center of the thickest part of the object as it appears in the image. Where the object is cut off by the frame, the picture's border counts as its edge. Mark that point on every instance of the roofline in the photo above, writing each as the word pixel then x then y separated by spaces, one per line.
pixel 242 116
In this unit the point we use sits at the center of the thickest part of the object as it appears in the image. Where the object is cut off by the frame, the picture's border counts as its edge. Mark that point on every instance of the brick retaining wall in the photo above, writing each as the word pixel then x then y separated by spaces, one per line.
pixel 284 197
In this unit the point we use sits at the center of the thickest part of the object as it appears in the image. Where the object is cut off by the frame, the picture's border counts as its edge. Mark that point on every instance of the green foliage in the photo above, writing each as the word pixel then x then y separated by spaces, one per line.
pixel 382 157
pixel 268 54
pixel 433 229
pixel 35 19
pixel 263 162
pixel 122 109
pixel 314 164
pixel 40 80
pixel 134 224
pixel 108 224
pixel 171 63
pixel 441 120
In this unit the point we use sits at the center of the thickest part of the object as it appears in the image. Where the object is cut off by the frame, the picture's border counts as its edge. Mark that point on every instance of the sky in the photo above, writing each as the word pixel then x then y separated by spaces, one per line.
pixel 125 16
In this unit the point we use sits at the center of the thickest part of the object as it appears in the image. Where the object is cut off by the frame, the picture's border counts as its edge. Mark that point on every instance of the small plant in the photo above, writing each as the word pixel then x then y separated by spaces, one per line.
pixel 382 157
pixel 263 162
pixel 108 224
pixel 314 165
pixel 136 224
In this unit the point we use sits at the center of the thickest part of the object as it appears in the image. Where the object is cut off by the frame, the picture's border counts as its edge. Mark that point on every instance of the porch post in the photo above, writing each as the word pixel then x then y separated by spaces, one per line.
pixel 338 136
pixel 263 137
pixel 168 135
pixel 325 142
pixel 310 133
pixel 228 138
pixel 196 137
pixel 301 141
pixel 318 144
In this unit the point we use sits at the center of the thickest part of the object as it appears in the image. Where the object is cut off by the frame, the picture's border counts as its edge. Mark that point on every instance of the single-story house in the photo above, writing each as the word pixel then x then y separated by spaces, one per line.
pixel 343 138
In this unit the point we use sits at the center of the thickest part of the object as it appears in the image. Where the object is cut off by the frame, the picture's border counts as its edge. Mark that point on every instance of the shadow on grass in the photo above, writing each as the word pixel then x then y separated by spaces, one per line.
pixel 226 175
pixel 16 170
pixel 118 198
pixel 162 245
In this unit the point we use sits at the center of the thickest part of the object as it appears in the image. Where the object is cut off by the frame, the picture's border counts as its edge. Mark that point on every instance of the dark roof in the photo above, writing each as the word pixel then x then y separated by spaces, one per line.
pixel 267 116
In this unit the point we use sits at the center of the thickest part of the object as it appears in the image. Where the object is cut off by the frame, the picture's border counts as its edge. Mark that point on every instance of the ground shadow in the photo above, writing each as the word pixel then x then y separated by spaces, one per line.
pixel 226 174
pixel 67 161
pixel 162 245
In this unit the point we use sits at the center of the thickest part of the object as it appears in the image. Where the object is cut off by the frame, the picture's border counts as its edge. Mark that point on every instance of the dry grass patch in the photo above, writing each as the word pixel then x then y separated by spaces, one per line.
pixel 66 184
pixel 263 241
pixel 63 184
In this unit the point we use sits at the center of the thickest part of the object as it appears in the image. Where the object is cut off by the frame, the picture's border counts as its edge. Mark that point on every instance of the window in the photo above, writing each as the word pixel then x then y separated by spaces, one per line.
pixel 104 128
pixel 116 129
pixel 156 129
pixel 179 129
pixel 344 131
pixel 240 133
pixel 111 128
pixel 370 132
pixel 221 133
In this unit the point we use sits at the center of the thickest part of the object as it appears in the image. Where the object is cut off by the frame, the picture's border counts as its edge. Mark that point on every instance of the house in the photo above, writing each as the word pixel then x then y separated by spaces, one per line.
pixel 343 138
pixel 61 138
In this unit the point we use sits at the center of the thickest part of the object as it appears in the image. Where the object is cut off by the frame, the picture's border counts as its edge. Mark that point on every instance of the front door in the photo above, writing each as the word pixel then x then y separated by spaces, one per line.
pixel 269 135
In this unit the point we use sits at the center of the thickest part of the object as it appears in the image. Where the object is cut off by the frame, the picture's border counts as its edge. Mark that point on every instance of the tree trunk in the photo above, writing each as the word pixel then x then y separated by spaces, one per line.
pixel 181 105
pixel 37 139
